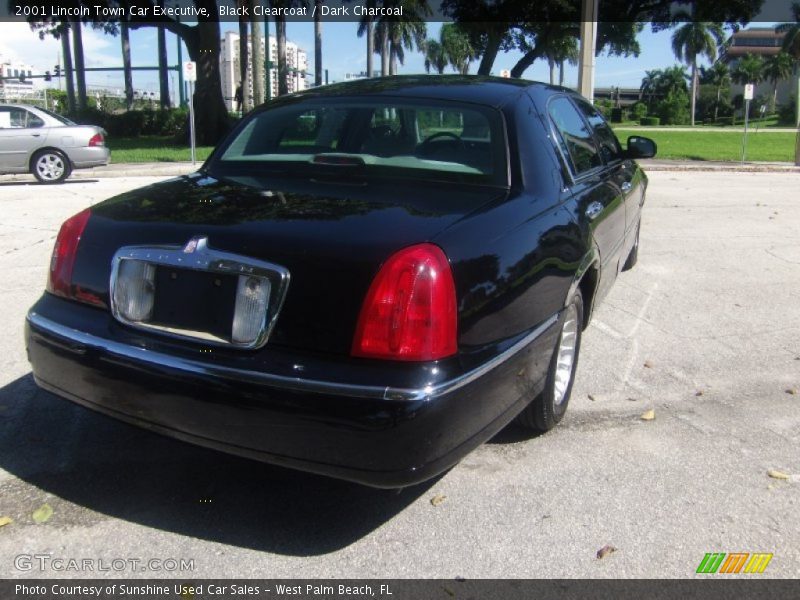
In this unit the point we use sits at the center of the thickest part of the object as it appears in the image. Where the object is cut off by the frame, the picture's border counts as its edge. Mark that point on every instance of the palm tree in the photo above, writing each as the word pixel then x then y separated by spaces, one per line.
pixel 434 57
pixel 67 52
pixel 256 61
pixel 718 75
pixel 457 47
pixel 125 40
pixel 692 40
pixel 163 74
pixel 777 68
pixel 749 70
pixel 561 47
pixel 791 39
pixel 244 57
pixel 366 26
pixel 649 87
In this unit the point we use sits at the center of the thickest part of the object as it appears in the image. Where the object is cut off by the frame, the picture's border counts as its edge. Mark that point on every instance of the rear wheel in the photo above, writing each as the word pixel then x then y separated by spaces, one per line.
pixel 50 166
pixel 549 407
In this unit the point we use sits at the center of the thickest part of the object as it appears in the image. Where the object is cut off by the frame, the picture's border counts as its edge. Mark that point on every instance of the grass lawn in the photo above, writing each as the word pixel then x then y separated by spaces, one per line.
pixel 717 145
pixel 692 145
pixel 152 149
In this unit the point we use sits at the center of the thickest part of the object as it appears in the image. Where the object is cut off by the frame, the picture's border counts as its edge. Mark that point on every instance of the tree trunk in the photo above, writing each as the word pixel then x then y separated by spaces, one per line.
pixel 126 63
pixel 80 73
pixel 392 60
pixel 318 43
pixel 280 33
pixel 490 53
pixel 526 61
pixel 68 75
pixel 244 59
pixel 694 89
pixel 716 106
pixel 256 67
pixel 552 64
pixel 208 100
pixel 561 73
pixel 163 76
pixel 775 95
pixel 384 51
pixel 370 47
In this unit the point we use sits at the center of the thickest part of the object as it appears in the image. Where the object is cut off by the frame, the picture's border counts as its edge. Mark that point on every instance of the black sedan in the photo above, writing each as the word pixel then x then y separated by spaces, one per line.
pixel 367 280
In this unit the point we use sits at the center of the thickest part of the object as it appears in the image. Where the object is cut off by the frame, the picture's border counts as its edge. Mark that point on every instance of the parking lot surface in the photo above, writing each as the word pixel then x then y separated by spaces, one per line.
pixel 705 332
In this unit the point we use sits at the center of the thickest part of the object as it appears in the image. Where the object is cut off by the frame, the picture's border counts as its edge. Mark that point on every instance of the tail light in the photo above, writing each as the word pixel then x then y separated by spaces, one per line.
pixel 410 309
pixel 59 281
pixel 97 140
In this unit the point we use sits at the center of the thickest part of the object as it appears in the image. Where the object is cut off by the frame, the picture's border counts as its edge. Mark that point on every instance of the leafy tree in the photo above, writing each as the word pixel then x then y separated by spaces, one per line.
pixel 777 68
pixel 791 39
pixel 434 57
pixel 719 76
pixel 457 47
pixel 692 40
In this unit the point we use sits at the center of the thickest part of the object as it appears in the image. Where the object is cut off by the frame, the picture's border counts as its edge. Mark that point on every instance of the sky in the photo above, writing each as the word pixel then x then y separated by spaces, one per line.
pixel 343 51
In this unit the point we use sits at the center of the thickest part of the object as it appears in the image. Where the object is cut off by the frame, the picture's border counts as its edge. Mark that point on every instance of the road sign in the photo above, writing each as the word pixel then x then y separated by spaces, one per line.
pixel 748 91
pixel 190 70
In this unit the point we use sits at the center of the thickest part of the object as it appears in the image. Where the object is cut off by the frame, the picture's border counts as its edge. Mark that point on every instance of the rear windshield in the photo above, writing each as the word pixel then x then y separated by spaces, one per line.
pixel 397 138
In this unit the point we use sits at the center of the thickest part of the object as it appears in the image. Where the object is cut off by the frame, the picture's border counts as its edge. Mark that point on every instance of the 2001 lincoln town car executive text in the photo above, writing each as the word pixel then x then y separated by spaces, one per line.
pixel 366 281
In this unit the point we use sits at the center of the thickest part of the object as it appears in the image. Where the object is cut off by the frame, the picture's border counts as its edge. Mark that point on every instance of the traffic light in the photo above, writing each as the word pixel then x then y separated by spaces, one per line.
pixel 47 76
pixel 57 69
pixel 22 76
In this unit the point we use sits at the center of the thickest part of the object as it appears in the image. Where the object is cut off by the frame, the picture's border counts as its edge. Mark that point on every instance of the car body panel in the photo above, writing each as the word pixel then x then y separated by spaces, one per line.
pixel 517 254
pixel 19 143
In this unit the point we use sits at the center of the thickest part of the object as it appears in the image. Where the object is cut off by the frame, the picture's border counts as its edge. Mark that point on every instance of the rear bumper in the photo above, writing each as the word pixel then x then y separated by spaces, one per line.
pixel 374 435
pixel 90 156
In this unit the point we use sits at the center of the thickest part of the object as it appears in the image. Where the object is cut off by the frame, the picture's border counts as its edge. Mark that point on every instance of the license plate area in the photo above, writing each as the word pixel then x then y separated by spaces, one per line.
pixel 194 301
pixel 197 293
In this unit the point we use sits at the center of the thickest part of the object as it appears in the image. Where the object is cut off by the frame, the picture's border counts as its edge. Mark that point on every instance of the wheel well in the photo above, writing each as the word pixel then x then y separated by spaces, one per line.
pixel 48 149
pixel 588 286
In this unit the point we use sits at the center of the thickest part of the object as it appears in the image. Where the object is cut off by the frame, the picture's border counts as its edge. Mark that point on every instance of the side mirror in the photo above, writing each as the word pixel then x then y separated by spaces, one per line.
pixel 641 147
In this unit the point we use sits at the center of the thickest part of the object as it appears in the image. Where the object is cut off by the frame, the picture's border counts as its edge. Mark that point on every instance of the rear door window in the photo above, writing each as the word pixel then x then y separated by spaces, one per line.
pixel 575 138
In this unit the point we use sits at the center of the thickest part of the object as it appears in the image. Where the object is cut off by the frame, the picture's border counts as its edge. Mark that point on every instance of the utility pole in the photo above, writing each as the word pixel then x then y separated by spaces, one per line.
pixel 588 42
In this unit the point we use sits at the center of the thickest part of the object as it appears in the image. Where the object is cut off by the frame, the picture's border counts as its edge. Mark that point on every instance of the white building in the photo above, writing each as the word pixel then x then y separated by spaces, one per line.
pixel 229 60
pixel 15 80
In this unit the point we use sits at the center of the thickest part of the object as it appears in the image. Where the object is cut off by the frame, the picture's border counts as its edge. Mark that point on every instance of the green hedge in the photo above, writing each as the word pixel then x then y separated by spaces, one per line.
pixel 650 121
pixel 134 123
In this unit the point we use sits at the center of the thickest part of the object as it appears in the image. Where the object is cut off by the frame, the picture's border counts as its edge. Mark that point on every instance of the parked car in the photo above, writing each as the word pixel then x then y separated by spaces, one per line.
pixel 49 146
pixel 367 280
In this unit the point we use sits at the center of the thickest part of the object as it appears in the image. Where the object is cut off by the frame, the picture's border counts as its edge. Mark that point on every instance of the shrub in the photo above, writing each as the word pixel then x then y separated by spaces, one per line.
pixel 649 121
pixel 787 112
pixel 674 109
pixel 616 115
pixel 638 111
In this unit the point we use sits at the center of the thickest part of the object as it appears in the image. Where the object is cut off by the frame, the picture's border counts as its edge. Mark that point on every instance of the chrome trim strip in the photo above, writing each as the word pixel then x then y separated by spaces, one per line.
pixel 196 255
pixel 159 359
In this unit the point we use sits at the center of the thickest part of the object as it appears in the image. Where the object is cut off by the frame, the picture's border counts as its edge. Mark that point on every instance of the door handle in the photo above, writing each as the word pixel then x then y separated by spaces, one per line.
pixel 593 210
pixel 626 186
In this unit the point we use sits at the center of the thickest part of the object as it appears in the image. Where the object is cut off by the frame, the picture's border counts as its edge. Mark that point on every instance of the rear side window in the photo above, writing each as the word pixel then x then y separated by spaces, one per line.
pixel 609 145
pixel 576 139
pixel 18 118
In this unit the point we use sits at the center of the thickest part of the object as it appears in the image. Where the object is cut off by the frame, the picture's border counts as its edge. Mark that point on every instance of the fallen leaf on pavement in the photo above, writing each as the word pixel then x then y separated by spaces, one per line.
pixel 5 521
pixel 648 364
pixel 792 391
pixel 698 393
pixel 777 474
pixel 632 399
pixel 648 415
pixel 591 397
pixel 43 513
pixel 438 499
pixel 605 551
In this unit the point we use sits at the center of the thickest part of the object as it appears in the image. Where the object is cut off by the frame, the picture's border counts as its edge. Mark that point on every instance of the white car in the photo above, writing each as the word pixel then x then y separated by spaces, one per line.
pixel 47 145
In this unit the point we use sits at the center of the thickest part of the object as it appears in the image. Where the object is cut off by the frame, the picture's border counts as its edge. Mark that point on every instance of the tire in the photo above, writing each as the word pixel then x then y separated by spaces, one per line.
pixel 549 407
pixel 50 166
pixel 633 257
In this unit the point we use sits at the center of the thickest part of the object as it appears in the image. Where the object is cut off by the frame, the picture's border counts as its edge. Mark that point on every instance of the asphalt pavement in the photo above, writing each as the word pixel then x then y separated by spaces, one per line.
pixel 704 332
